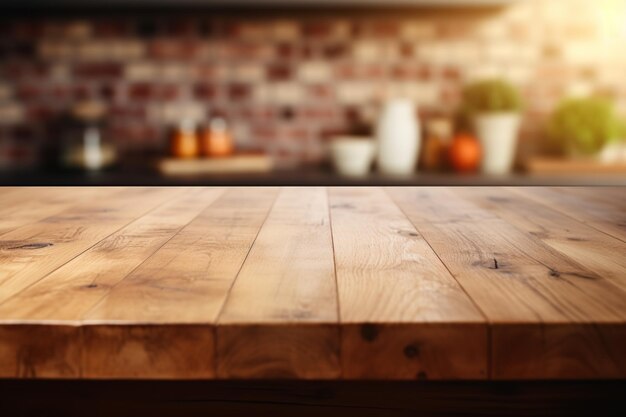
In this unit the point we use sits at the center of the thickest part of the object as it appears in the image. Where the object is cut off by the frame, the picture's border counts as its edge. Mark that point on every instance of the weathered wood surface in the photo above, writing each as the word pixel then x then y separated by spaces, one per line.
pixel 313 283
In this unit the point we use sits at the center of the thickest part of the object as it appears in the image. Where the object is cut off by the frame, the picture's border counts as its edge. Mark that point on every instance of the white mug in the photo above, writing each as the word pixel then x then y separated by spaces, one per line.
pixel 352 155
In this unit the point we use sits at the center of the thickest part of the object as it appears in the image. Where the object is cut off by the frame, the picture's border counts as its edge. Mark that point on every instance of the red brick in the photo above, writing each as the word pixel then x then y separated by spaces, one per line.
pixel 239 91
pixel 319 29
pixel 264 133
pixel 257 114
pixel 109 91
pixel 140 91
pixel 380 29
pixel 98 70
pixel 295 133
pixel 321 91
pixel 247 50
pixel 285 50
pixel 247 30
pixel 205 91
pixel 351 71
pixel 168 92
pixel 403 72
pixel 173 49
pixel 29 92
pixel 279 72
pixel 81 92
pixel 320 113
pixel 334 51
pixel 40 112
pixel 451 73
pixel 127 111
pixel 424 73
pixel 60 92
pixel 134 135
pixel 152 91
pixel 406 49
pixel 26 69
pixel 206 70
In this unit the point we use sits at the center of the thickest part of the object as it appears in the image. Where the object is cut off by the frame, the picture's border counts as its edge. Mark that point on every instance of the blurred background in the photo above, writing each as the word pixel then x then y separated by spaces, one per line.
pixel 313 92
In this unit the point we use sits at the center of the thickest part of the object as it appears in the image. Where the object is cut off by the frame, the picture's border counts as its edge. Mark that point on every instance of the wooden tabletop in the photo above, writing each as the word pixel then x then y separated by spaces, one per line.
pixel 313 283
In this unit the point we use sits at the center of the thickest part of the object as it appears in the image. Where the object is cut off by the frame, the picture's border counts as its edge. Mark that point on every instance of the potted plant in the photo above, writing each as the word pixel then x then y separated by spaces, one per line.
pixel 493 106
pixel 583 126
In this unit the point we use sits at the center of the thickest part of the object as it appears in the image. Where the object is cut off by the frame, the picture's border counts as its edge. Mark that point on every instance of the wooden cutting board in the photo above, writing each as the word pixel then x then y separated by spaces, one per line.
pixel 247 163
pixel 572 166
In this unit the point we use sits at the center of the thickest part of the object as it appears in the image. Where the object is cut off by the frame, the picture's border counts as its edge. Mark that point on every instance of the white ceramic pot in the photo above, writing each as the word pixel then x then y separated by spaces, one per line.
pixel 352 156
pixel 497 133
pixel 398 137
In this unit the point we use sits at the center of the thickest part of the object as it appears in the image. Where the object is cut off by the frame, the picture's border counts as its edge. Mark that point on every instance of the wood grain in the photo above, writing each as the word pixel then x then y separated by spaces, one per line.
pixel 514 278
pixel 69 292
pixel 185 282
pixel 25 205
pixel 288 280
pixel 402 312
pixel 32 251
pixel 313 283
pixel 604 217
pixel 39 351
pixel 591 248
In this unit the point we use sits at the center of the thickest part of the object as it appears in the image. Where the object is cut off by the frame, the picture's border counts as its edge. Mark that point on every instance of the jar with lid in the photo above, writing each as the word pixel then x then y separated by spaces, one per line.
pixel 184 140
pixel 216 139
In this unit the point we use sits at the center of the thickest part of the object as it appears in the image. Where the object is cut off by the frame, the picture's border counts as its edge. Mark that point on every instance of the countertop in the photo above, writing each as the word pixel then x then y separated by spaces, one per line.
pixel 313 283
pixel 142 175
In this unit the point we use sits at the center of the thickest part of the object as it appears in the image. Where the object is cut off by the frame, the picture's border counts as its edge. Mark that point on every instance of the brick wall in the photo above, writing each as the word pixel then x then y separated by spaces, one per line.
pixel 288 82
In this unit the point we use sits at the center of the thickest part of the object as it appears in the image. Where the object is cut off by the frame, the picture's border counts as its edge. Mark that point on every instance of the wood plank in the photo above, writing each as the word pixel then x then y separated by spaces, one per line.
pixel 181 287
pixel 69 292
pixel 517 280
pixel 612 196
pixel 30 252
pixel 610 220
pixel 28 347
pixel 54 353
pixel 403 315
pixel 28 205
pixel 280 319
pixel 591 248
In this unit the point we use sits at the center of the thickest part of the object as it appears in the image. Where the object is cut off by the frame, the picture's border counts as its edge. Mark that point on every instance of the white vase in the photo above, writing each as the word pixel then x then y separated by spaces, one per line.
pixel 398 138
pixel 497 133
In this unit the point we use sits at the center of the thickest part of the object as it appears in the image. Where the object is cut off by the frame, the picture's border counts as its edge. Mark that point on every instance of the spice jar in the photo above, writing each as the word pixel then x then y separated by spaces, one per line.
pixel 216 140
pixel 438 139
pixel 184 140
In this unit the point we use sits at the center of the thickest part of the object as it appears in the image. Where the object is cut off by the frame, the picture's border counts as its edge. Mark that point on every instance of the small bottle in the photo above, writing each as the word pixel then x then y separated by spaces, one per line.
pixel 184 141
pixel 216 140
pixel 438 139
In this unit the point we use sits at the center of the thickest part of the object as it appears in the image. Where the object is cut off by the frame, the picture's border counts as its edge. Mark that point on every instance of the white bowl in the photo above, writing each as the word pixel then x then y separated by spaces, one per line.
pixel 353 155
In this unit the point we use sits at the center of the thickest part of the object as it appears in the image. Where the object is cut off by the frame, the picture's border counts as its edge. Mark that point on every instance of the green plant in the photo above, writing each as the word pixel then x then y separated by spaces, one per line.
pixel 490 96
pixel 584 125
